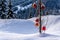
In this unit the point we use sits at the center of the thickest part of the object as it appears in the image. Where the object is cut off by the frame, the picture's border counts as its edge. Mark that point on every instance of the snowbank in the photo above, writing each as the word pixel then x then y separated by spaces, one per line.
pixel 20 29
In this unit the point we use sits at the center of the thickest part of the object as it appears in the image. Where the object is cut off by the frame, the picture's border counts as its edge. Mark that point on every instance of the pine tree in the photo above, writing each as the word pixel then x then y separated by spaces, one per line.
pixel 3 9
pixel 0 8
pixel 10 12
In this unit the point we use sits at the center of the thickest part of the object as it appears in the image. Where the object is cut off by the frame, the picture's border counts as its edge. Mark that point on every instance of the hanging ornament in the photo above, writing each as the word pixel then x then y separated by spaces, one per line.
pixel 42 6
pixel 37 20
pixel 34 5
pixel 43 28
pixel 37 24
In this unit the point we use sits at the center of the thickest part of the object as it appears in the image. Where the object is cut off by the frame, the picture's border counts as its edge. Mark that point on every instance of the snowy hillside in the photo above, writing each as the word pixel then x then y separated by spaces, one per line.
pixel 21 29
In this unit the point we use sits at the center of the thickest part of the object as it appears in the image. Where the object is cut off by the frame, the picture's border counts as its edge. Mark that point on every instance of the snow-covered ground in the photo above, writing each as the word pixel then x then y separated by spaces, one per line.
pixel 24 29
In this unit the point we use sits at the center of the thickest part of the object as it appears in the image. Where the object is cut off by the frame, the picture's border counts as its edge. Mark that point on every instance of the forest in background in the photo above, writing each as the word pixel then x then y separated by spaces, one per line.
pixel 22 9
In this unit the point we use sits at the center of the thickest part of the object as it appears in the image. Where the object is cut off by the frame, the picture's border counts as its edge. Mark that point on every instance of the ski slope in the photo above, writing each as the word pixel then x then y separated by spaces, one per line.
pixel 24 29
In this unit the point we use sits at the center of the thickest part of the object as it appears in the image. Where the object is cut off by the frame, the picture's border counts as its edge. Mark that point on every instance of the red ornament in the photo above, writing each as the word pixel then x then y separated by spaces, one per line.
pixel 37 24
pixel 42 7
pixel 34 5
pixel 43 28
pixel 37 20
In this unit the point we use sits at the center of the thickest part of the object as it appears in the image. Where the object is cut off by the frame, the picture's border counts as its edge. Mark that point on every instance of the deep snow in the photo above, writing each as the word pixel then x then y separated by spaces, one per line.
pixel 24 29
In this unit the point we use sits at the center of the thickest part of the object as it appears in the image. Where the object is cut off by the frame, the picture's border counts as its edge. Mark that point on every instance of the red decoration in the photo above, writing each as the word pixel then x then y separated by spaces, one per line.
pixel 37 20
pixel 34 5
pixel 42 7
pixel 37 24
pixel 43 28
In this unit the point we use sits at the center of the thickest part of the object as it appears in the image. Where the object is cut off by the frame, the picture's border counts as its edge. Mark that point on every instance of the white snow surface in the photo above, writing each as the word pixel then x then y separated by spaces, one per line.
pixel 24 29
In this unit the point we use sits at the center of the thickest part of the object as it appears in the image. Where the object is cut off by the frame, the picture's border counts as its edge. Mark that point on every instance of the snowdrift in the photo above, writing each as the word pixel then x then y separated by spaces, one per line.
pixel 18 26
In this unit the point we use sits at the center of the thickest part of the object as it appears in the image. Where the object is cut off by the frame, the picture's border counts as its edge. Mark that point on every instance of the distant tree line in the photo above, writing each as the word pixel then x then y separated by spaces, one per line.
pixel 7 10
